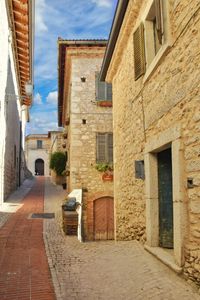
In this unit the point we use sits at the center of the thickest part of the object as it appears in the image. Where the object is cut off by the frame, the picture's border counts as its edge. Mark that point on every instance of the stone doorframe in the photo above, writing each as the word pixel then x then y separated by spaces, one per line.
pixel 169 138
pixel 90 211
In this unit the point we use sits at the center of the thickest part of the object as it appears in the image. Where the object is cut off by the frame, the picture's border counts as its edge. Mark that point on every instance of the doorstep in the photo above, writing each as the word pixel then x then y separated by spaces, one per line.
pixel 165 256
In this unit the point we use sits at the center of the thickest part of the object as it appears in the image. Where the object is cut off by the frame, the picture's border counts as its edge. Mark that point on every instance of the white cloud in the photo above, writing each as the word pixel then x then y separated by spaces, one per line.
pixel 37 99
pixel 42 121
pixel 52 97
pixel 106 3
pixel 40 8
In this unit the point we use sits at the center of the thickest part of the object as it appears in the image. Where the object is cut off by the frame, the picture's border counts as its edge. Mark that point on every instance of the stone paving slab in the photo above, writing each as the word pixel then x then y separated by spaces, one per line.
pixel 105 270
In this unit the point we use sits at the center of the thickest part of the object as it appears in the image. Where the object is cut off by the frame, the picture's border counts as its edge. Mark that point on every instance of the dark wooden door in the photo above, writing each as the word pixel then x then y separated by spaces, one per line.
pixel 104 219
pixel 165 199
pixel 39 167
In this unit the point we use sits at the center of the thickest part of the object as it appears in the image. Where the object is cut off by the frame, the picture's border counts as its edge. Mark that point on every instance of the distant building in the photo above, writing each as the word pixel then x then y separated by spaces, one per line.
pixel 152 60
pixel 57 143
pixel 16 61
pixel 37 154
pixel 85 112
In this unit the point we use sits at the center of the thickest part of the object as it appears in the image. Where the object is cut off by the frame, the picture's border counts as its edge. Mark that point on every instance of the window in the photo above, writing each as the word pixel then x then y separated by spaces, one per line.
pixel 39 144
pixel 150 37
pixel 103 90
pixel 15 156
pixel 154 27
pixel 104 147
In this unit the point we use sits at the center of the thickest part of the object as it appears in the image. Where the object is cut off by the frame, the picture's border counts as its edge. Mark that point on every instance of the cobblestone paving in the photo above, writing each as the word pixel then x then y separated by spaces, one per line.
pixel 105 270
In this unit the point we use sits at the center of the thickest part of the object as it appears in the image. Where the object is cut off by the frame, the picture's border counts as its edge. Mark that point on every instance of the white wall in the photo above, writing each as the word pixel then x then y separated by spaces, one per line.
pixel 33 155
pixel 9 111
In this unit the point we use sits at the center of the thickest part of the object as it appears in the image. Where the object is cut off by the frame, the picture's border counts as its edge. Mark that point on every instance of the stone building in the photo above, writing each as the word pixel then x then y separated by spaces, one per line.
pixel 85 112
pixel 57 143
pixel 37 154
pixel 152 61
pixel 16 61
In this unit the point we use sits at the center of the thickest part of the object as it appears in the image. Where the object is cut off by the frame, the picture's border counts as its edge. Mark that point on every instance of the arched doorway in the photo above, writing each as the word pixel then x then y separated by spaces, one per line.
pixel 104 219
pixel 39 167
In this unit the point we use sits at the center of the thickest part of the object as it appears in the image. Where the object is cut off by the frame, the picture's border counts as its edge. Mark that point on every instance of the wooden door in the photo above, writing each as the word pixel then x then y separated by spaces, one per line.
pixel 165 199
pixel 104 219
pixel 39 167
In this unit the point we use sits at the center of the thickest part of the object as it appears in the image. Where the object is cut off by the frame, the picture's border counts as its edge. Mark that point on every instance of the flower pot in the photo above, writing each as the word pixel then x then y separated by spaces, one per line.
pixel 107 176
pixel 104 103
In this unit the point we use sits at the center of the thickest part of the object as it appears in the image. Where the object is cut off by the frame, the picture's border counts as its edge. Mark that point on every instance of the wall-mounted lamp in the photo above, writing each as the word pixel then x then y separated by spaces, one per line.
pixel 28 91
pixel 29 88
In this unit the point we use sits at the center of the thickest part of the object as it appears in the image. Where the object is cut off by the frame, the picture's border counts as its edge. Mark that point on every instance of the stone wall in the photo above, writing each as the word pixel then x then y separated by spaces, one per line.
pixel 86 120
pixel 143 109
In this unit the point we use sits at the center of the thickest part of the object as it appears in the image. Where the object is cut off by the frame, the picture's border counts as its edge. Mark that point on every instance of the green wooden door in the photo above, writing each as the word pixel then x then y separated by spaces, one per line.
pixel 165 199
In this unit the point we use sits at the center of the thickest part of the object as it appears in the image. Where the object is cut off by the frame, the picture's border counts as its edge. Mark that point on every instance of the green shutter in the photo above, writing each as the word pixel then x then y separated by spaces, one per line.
pixel 101 147
pixel 100 88
pixel 109 91
pixel 139 51
pixel 110 147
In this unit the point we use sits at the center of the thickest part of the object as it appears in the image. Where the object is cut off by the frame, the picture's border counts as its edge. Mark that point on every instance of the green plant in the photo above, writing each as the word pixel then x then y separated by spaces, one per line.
pixel 58 162
pixel 103 167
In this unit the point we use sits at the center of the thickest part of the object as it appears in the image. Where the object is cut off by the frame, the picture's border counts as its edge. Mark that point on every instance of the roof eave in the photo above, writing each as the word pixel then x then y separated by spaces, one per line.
pixel 114 33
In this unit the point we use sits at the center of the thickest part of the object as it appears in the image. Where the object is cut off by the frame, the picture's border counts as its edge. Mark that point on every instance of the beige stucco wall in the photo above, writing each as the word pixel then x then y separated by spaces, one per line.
pixel 81 142
pixel 142 110
pixel 33 153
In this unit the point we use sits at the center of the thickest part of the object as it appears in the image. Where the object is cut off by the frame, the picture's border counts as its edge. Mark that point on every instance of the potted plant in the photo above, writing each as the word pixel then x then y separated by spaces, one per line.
pixel 106 169
pixel 57 164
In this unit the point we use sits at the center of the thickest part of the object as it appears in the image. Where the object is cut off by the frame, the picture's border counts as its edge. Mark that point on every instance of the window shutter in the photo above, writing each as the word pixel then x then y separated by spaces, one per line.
pixel 101 147
pixel 100 89
pixel 110 147
pixel 159 19
pixel 139 51
pixel 109 91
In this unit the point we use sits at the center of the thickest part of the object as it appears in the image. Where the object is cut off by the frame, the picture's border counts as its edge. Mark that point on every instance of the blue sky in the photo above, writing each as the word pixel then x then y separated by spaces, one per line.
pixel 68 19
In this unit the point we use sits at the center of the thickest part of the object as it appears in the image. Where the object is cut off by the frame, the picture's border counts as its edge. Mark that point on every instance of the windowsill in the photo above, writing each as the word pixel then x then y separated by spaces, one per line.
pixel 164 255
pixel 104 103
pixel 154 64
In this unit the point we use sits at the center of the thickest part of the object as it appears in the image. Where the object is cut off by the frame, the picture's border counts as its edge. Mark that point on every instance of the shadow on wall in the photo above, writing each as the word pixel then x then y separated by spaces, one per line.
pixel 12 172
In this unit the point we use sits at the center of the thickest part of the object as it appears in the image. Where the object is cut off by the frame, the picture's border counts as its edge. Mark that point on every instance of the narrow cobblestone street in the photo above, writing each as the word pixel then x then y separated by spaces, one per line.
pixel 95 270
pixel 105 270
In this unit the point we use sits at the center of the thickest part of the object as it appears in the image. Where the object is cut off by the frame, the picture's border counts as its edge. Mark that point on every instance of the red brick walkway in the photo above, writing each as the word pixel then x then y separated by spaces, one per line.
pixel 24 271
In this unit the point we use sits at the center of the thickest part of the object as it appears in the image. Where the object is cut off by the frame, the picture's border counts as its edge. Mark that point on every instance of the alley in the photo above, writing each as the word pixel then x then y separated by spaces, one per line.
pixel 105 270
pixel 93 270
